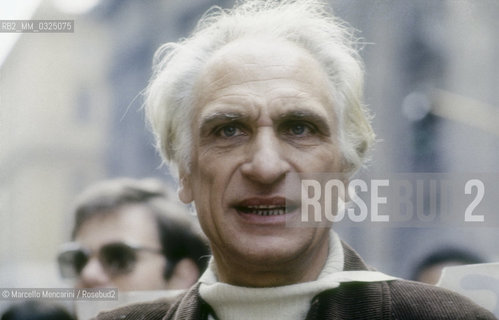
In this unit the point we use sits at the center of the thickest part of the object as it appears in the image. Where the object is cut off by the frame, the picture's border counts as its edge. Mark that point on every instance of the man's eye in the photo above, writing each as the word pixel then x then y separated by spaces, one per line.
pixel 229 131
pixel 300 129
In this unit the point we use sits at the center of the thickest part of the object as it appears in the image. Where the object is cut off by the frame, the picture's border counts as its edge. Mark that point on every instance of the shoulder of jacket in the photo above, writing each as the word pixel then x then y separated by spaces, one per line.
pixel 415 300
pixel 144 310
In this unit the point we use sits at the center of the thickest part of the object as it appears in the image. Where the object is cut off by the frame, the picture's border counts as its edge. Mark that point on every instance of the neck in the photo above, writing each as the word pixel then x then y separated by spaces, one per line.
pixel 303 268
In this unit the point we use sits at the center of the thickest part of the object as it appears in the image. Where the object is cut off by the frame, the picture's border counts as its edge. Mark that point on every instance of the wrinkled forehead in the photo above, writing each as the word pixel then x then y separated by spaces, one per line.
pixel 257 65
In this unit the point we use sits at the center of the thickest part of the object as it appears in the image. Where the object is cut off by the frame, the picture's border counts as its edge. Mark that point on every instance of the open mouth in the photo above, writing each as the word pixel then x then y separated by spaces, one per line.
pixel 263 210
pixel 265 207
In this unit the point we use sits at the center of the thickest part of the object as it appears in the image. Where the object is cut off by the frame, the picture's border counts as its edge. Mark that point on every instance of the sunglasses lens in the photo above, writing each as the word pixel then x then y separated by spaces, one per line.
pixel 72 262
pixel 117 258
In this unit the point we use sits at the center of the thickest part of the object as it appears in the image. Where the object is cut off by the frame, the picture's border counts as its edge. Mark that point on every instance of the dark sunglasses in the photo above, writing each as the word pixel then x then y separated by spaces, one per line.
pixel 116 258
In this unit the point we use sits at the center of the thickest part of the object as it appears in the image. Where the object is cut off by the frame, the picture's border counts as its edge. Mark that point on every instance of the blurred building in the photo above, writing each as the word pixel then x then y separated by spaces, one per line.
pixel 432 84
pixel 54 110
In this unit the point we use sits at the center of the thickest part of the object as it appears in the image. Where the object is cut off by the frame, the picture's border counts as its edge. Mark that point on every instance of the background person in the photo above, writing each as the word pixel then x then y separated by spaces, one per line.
pixel 36 310
pixel 430 268
pixel 133 235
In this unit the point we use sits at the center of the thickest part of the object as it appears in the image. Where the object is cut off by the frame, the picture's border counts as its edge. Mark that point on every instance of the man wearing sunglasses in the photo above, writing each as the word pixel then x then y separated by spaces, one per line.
pixel 132 235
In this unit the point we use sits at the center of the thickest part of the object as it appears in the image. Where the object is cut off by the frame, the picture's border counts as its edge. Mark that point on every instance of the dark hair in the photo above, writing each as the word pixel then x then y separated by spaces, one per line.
pixel 36 310
pixel 179 234
pixel 444 255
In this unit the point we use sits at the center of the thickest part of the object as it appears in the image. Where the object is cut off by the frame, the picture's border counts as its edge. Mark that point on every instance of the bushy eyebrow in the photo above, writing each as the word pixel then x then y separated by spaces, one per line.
pixel 208 121
pixel 212 119
pixel 309 116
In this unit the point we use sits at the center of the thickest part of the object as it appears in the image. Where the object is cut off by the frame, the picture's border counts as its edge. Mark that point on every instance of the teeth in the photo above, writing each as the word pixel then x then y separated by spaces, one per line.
pixel 274 212
pixel 264 210
pixel 265 206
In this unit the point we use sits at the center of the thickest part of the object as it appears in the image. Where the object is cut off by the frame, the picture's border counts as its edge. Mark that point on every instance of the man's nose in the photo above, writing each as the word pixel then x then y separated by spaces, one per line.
pixel 266 162
pixel 93 275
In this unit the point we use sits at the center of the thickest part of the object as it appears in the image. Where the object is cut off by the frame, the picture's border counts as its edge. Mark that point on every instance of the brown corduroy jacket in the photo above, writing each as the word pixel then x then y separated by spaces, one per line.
pixel 390 300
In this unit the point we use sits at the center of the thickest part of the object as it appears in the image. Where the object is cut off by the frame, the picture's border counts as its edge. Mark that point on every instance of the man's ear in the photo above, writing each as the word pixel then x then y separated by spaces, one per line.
pixel 185 274
pixel 185 188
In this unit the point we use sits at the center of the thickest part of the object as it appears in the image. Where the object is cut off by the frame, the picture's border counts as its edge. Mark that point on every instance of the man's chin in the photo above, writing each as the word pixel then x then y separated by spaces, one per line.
pixel 269 255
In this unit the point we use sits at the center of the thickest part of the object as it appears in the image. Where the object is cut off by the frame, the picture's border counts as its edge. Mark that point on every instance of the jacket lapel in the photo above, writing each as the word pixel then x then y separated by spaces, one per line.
pixel 353 300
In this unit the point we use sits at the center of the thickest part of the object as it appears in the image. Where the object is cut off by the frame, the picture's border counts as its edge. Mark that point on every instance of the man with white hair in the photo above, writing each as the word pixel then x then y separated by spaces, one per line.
pixel 259 93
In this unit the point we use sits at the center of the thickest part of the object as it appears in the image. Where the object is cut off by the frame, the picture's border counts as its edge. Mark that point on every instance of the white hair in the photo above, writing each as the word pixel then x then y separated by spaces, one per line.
pixel 307 23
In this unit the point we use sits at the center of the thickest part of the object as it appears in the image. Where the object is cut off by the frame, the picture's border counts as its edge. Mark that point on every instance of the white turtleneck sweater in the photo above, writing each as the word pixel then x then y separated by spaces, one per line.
pixel 290 302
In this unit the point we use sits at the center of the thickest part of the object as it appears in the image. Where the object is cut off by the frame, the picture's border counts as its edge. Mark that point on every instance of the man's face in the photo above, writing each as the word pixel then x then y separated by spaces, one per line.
pixel 132 225
pixel 262 110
